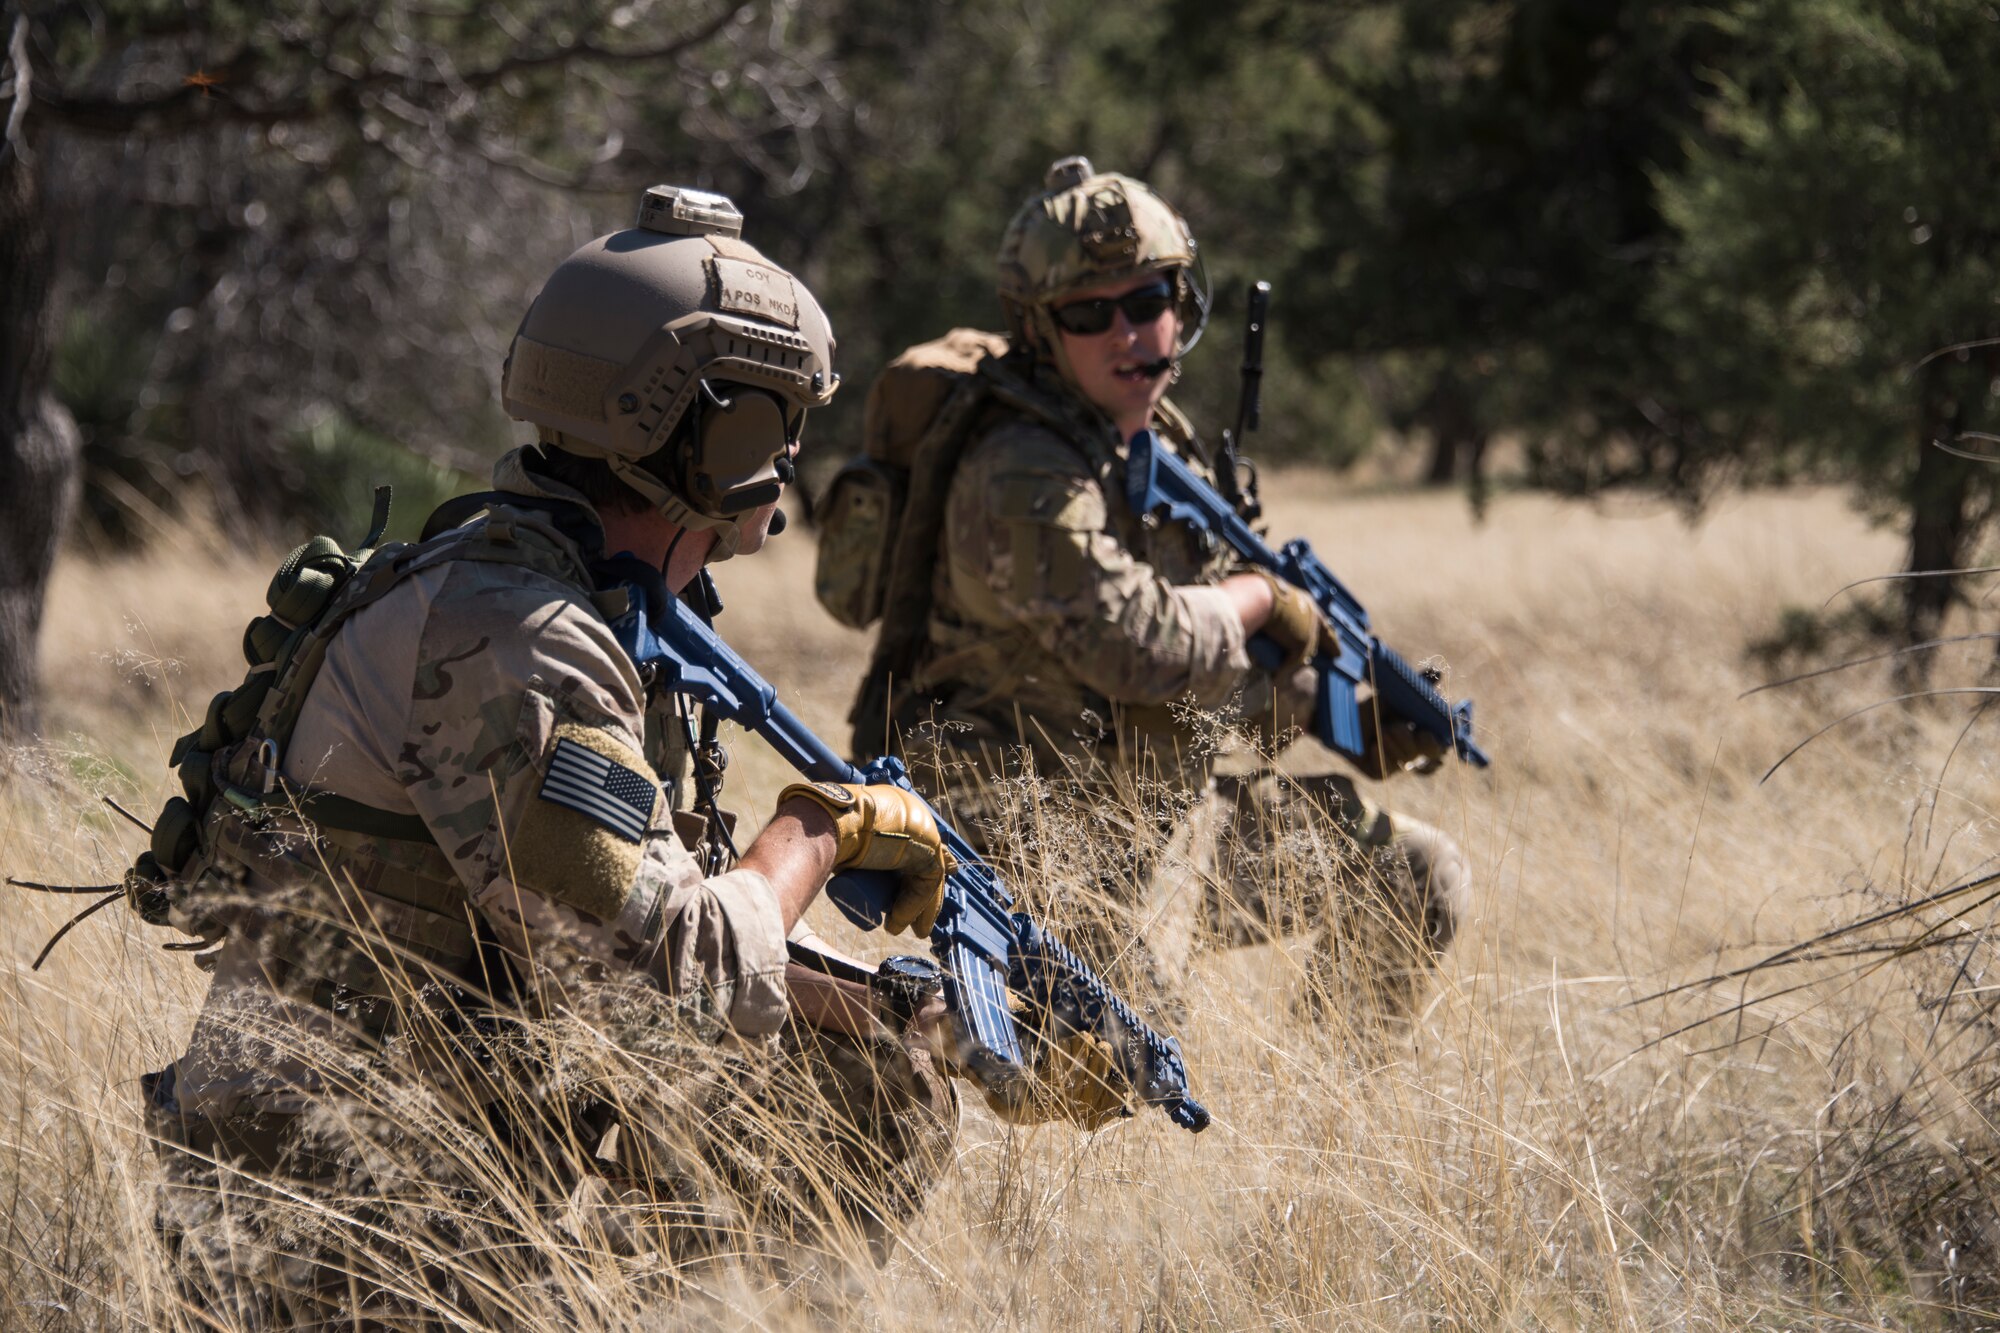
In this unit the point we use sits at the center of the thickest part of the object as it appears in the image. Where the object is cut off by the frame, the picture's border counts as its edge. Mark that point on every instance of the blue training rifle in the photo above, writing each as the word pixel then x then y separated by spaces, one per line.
pixel 985 947
pixel 1162 488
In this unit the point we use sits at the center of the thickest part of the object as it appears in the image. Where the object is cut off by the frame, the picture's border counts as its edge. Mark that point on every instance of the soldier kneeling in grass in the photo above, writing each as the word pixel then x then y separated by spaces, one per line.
pixel 494 997
pixel 1040 640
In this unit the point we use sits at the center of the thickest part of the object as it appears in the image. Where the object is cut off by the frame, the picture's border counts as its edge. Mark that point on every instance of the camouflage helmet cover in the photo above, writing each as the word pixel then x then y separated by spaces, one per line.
pixel 612 355
pixel 1088 227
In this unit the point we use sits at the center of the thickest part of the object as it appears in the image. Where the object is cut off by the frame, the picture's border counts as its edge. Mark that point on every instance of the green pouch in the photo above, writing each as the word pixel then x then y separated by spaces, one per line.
pixel 857 523
pixel 197 770
pixel 174 836
pixel 214 733
pixel 147 889
pixel 263 639
pixel 240 713
pixel 303 586
pixel 301 593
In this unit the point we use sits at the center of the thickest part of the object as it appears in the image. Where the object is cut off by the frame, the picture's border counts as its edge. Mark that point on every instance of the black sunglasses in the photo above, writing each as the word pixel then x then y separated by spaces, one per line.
pixel 1141 306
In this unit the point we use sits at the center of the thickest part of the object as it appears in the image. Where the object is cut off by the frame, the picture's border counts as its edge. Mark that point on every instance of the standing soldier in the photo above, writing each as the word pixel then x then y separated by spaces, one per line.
pixel 1033 624
pixel 447 799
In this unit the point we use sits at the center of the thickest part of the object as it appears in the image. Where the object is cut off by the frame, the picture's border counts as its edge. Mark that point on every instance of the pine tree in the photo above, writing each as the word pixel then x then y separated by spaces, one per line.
pixel 1838 263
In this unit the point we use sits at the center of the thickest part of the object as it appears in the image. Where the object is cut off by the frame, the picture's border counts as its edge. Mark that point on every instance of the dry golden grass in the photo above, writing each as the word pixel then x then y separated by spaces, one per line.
pixel 1533 1156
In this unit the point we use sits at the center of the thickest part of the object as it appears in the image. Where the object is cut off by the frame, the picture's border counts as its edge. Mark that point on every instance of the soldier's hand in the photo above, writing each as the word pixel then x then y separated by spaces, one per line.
pixel 1395 746
pixel 1295 624
pixel 1075 1078
pixel 886 828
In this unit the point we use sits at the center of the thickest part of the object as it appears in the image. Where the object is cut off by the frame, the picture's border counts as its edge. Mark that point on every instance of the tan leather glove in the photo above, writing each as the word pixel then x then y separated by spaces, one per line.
pixel 1077 1080
pixel 1396 746
pixel 886 828
pixel 1295 624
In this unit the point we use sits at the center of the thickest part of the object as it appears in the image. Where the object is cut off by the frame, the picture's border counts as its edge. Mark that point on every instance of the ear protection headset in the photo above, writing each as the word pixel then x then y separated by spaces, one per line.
pixel 736 448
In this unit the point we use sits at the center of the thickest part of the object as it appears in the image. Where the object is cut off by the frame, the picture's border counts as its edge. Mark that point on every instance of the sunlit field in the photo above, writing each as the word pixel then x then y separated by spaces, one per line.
pixel 1536 1151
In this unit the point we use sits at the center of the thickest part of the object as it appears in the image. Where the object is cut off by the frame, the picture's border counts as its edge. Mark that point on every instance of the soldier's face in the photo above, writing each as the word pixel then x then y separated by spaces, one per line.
pixel 1111 368
pixel 756 527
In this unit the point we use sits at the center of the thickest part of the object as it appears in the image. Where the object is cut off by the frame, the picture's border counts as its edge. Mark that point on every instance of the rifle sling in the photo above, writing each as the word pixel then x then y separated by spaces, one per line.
pixel 831 994
pixel 352 816
pixel 807 956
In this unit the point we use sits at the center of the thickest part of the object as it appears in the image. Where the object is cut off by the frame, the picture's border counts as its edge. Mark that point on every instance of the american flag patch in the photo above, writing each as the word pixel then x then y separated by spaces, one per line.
pixel 604 790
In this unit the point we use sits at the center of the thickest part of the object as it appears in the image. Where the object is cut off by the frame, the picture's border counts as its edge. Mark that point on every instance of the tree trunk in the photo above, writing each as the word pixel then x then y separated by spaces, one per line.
pixel 1477 491
pixel 39 445
pixel 1941 523
pixel 1444 457
pixel 1458 437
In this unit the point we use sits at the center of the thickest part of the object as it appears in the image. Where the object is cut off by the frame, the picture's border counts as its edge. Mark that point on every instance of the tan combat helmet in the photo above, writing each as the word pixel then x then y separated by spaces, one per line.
pixel 676 333
pixel 1085 228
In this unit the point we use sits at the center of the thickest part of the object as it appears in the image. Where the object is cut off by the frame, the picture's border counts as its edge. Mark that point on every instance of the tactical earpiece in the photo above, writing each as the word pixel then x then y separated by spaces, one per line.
pixel 738 451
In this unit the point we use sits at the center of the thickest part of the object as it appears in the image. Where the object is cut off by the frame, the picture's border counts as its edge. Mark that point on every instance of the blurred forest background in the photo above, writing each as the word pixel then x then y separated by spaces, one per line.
pixel 256 257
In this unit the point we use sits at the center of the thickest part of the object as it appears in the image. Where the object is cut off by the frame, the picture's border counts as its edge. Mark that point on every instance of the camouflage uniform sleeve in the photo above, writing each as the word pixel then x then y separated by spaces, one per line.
pixel 523 751
pixel 1027 544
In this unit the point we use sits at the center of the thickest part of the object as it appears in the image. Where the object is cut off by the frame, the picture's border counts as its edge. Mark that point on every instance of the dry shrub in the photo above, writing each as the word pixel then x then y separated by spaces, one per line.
pixel 1899 1188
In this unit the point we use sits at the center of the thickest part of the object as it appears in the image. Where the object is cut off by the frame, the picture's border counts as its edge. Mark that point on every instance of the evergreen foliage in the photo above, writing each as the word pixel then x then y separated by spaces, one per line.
pixel 1832 299
pixel 1662 245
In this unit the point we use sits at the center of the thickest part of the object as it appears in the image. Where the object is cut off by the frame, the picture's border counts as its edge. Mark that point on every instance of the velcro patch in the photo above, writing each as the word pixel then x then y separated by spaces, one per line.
pixel 599 788
pixel 754 290
pixel 573 859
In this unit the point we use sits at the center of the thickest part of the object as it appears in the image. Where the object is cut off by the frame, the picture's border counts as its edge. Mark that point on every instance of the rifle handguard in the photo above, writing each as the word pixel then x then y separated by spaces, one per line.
pixel 1159 486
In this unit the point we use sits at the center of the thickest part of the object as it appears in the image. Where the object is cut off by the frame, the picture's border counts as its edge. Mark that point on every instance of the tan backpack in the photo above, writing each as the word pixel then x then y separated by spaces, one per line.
pixel 919 408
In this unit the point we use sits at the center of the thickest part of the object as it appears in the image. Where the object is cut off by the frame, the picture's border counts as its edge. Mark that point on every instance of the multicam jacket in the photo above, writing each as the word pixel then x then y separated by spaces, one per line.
pixel 479 696
pixel 1060 620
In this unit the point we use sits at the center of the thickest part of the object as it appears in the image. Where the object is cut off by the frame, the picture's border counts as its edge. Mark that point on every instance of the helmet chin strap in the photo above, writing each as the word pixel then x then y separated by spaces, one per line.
pixel 1166 363
pixel 667 560
pixel 728 531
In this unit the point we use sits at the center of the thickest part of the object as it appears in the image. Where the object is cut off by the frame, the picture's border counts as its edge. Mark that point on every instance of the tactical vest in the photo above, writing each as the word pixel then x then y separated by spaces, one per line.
pixel 335 894
pixel 978 684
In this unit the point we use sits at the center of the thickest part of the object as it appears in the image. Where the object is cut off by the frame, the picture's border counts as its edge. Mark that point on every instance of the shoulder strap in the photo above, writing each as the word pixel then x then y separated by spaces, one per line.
pixel 387 568
pixel 1011 379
